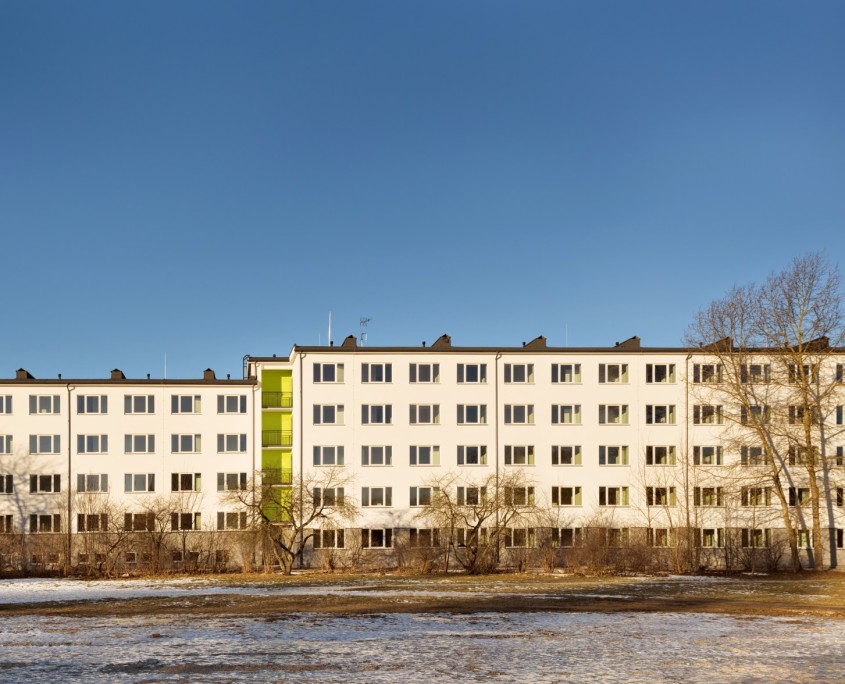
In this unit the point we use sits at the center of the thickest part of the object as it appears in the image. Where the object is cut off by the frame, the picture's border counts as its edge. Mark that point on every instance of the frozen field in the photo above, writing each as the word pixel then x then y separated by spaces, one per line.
pixel 481 647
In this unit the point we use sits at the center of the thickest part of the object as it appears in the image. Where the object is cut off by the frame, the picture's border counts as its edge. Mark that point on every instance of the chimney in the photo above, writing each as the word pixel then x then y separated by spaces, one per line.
pixel 117 374
pixel 208 374
pixel 350 342
pixel 22 374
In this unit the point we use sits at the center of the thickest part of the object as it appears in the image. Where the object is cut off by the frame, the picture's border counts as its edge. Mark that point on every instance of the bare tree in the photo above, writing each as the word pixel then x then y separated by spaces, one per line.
pixel 287 517
pixel 776 346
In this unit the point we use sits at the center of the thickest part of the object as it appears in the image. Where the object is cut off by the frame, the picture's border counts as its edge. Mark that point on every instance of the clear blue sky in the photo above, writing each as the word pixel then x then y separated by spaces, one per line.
pixel 209 179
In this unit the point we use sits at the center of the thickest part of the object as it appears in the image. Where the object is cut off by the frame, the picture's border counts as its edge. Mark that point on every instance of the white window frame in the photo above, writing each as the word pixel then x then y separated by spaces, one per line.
pixel 566 455
pixel 146 442
pixel 92 444
pixel 478 370
pixel 228 404
pixel 423 496
pixel 660 496
pixel 378 373
pixel 328 455
pixel 370 538
pixel 186 404
pixel 321 414
pixel 653 417
pixel 231 520
pixel 566 373
pixel 382 495
pixel 5 404
pixel 425 455
pixel 92 483
pixel 328 373
pixel 519 373
pixel 707 455
pixel 178 482
pixel 613 373
pixel 132 402
pixel 432 371
pixel 572 494
pixel 614 414
pixel 619 495
pixel 707 373
pixel 179 443
pixel 38 441
pixel 386 455
pixel 231 443
pixel 45 404
pixel 660 373
pixel 419 413
pixel 371 413
pixel 232 482
pixel 613 455
pixel 519 454
pixel 512 412
pixel 472 455
pixel 468 411
pixel 45 484
pixel 656 454
pixel 6 444
pixel 92 404
pixel 566 414
pixel 131 482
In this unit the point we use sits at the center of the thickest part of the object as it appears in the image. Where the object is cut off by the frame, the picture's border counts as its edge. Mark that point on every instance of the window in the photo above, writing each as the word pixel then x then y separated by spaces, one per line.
pixel 613 455
pixel 472 414
pixel 566 373
pixel 756 539
pixel 839 415
pixel 755 373
pixel 613 373
pixel 519 414
pixel 707 373
pixel 185 444
pixel 839 459
pixel 425 414
pixel 377 496
pixel 424 372
pixel 703 414
pixel 803 374
pixel 327 497
pixel 92 483
pixel 566 496
pixel 328 455
pixel 707 455
pixel 139 482
pixel 754 414
pixel 376 372
pixel 185 403
pixel 712 538
pixel 471 496
pixel 519 455
pixel 613 496
pixel 613 414
pixel 44 403
pixel 234 520
pixel 5 403
pixel 660 537
pixel 799 496
pixel 231 403
pixel 231 482
pixel 45 484
pixel 231 444
pixel 840 534
pixel 660 496
pixel 566 414
pixel 92 444
pixel 840 372
pixel 519 537
pixel 139 522
pixel 423 537
pixel 660 414
pixel 756 496
pixel 566 455
pixel 92 403
pixel 185 522
pixel 472 373
pixel 376 414
pixel 328 539
pixel 45 523
pixel 662 373
pixel 840 497
pixel 423 496
pixel 139 444
pixel 470 536
pixel 617 536
pixel 708 496
pixel 6 524
pixel 798 455
pixel 796 415
pixel 139 403
pixel 472 455
pixel 660 455
pixel 92 522
pixel 425 455
pixel 567 536
pixel 45 444
pixel 805 539
pixel 328 414
pixel 376 538
pixel 7 484
pixel 753 456
pixel 519 373
pixel 376 455
pixel 519 496
pixel 328 372
pixel 185 482
pixel 6 444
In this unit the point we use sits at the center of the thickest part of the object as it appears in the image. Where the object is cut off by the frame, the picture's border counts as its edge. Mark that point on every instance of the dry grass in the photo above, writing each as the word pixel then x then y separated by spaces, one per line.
pixel 270 596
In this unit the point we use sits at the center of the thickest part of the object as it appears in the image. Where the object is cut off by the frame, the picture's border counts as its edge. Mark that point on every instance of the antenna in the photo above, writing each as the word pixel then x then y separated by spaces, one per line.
pixel 329 340
pixel 165 365
pixel 363 324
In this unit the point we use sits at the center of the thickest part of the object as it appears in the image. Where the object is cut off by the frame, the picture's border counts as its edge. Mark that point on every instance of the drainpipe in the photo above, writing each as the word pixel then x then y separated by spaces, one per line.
pixel 301 463
pixel 70 389
pixel 686 458
pixel 496 443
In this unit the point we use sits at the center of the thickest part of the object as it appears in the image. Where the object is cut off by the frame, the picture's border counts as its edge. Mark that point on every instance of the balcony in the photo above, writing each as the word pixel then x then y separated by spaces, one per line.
pixel 276 438
pixel 276 476
pixel 276 399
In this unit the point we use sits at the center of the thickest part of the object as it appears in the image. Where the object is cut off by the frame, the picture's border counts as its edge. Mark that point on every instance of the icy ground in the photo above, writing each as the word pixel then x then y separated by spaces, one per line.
pixel 488 647
pixel 484 647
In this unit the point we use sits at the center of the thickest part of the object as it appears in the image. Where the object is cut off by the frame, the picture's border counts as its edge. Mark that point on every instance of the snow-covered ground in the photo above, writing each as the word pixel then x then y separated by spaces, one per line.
pixel 535 647
pixel 486 647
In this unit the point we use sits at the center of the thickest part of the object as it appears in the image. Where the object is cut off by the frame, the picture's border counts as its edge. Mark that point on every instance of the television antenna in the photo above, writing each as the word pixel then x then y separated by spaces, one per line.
pixel 363 323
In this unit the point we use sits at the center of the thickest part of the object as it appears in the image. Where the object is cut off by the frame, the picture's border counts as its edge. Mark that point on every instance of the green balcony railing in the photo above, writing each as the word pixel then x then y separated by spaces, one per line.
pixel 276 438
pixel 276 399
pixel 276 476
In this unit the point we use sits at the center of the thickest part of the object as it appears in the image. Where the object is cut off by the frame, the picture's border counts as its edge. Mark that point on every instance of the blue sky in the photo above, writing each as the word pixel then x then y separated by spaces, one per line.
pixel 210 179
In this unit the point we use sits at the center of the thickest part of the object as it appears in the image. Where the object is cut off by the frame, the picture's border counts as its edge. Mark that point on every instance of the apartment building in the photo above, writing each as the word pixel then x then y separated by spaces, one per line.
pixel 83 457
pixel 637 441
pixel 630 445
